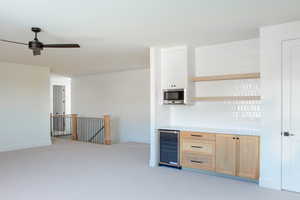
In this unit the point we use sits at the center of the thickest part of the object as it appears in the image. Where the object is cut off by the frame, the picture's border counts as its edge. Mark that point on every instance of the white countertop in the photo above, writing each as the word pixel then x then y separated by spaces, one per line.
pixel 240 131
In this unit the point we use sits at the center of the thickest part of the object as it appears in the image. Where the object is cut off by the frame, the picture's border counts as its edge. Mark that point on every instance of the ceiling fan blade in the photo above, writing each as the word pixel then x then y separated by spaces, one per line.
pixel 61 46
pixel 13 42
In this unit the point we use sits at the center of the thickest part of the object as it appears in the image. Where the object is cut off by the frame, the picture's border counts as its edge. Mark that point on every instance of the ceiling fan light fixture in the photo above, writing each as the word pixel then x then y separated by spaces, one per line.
pixel 36 52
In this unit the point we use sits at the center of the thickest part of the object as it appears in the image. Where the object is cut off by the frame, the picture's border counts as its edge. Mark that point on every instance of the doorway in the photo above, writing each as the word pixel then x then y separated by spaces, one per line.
pixel 291 115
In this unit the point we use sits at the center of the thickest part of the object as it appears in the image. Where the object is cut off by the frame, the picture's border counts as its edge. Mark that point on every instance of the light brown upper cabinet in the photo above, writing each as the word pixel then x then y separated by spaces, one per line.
pixel 237 155
pixel 248 157
pixel 226 154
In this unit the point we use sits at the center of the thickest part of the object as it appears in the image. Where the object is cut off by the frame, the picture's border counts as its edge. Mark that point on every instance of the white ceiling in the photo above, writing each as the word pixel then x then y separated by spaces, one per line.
pixel 115 34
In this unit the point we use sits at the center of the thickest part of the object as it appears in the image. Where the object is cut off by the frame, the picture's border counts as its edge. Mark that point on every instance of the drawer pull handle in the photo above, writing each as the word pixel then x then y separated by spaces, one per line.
pixel 197 135
pixel 196 161
pixel 198 147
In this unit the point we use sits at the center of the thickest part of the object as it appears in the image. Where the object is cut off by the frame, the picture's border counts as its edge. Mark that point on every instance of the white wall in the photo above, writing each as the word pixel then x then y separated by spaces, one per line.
pixel 271 58
pixel 124 95
pixel 228 58
pixel 64 81
pixel 24 106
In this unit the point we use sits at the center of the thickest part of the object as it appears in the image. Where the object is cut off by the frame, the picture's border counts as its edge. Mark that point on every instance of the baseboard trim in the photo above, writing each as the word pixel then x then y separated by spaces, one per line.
pixel 16 147
pixel 222 175
pixel 153 163
pixel 270 184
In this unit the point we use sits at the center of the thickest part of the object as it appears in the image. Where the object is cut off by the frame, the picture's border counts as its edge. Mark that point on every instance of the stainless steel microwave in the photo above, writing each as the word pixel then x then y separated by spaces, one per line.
pixel 174 96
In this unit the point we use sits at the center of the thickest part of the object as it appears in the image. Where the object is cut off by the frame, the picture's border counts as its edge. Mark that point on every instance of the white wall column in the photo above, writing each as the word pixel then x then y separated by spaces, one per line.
pixel 160 115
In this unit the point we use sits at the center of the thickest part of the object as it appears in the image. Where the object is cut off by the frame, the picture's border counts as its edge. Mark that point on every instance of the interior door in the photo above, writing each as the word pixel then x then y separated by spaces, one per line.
pixel 291 116
pixel 59 99
pixel 59 123
pixel 226 154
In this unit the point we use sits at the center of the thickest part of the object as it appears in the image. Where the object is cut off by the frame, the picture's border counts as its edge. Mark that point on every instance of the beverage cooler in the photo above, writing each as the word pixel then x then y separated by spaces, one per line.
pixel 169 148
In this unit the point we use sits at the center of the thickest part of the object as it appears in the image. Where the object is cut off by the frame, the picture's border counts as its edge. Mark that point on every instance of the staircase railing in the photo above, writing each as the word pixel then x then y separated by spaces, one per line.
pixel 60 125
pixel 85 129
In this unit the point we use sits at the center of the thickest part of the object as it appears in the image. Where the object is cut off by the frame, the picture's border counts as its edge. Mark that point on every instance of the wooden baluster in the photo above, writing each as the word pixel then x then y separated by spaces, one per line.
pixel 74 126
pixel 107 131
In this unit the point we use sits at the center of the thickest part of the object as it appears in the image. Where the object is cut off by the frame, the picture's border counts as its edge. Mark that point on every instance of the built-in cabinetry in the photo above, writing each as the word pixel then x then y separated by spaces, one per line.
pixel 174 68
pixel 235 155
pixel 198 150
pixel 248 157
pixel 177 65
pixel 226 154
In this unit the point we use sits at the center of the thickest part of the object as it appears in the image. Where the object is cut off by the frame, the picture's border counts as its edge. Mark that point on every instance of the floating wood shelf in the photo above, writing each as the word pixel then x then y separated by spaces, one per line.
pixel 227 77
pixel 227 98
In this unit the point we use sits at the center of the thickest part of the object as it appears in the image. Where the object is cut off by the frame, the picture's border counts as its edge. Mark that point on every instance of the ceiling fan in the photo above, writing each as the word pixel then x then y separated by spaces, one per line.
pixel 36 46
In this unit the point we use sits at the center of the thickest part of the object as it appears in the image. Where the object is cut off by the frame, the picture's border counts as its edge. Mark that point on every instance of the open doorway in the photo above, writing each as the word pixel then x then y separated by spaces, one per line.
pixel 58 83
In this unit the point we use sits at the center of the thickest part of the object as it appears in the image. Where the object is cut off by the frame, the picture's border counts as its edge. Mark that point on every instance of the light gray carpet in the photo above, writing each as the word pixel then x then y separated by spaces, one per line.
pixel 72 170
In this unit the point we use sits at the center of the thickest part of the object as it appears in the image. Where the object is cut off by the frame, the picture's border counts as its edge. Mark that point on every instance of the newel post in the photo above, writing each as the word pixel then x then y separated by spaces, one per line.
pixel 74 126
pixel 107 131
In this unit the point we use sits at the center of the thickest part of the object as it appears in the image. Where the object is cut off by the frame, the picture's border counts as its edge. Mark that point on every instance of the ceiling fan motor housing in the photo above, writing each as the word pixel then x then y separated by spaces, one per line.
pixel 35 45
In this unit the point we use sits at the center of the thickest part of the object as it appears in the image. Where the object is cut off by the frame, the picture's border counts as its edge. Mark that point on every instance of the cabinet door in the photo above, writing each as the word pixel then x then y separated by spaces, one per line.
pixel 174 68
pixel 226 147
pixel 248 157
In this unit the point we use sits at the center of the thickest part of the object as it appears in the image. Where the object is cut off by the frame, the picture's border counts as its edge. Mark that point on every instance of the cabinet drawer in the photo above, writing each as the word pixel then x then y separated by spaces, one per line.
pixel 199 146
pixel 198 161
pixel 197 135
